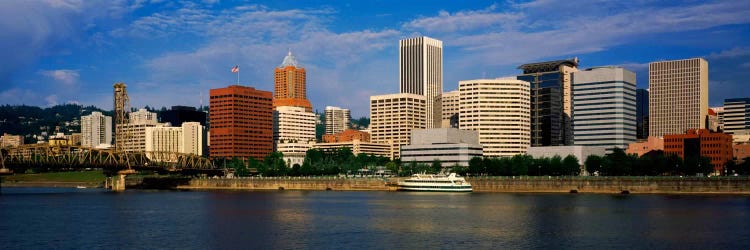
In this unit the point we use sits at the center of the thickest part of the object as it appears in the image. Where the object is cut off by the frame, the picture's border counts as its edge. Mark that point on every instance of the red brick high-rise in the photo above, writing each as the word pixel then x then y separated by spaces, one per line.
pixel 290 82
pixel 241 122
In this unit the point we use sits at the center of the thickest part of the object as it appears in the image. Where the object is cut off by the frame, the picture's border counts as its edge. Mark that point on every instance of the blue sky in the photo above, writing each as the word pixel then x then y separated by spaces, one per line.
pixel 172 52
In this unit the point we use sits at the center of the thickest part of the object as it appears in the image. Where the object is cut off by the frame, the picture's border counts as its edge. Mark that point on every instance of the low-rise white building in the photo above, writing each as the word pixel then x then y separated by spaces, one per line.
pixel 164 143
pixel 450 146
pixel 358 147
pixel 580 152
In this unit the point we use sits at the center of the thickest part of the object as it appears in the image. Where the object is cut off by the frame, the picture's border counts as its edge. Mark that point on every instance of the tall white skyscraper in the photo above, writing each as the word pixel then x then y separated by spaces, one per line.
pixel 678 96
pixel 337 119
pixel 498 109
pixel 604 107
pixel 96 130
pixel 421 72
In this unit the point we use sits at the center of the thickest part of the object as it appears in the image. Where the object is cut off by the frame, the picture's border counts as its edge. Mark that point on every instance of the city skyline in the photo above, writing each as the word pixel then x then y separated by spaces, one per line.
pixel 173 53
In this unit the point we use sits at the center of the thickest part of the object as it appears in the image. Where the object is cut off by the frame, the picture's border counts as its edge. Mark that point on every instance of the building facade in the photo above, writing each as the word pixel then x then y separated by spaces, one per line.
pixel 450 109
pixel 96 130
pixel 498 109
pixel 134 132
pixel 347 135
pixel 241 122
pixel 736 115
pixel 678 96
pixel 448 145
pixel 604 107
pixel 642 147
pixel 701 142
pixel 421 73
pixel 337 119
pixel 163 142
pixel 290 84
pixel 357 147
pixel 293 132
pixel 641 114
pixel 551 101
pixel 394 116
pixel 580 152
pixel 7 140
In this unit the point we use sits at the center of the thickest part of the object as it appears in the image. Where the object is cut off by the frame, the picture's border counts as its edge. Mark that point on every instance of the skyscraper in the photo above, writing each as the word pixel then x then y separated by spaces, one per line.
pixel 96 130
pixel 604 107
pixel 736 115
pixel 394 116
pixel 450 108
pixel 498 109
pixel 290 81
pixel 551 100
pixel 421 72
pixel 337 119
pixel 241 122
pixel 641 113
pixel 678 96
pixel 293 133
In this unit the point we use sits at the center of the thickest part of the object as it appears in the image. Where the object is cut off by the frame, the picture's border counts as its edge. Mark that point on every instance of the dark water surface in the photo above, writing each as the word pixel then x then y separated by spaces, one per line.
pixel 63 218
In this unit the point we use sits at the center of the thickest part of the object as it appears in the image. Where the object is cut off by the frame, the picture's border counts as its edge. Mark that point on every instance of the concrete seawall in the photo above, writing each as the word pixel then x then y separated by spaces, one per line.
pixel 292 183
pixel 614 185
pixel 647 185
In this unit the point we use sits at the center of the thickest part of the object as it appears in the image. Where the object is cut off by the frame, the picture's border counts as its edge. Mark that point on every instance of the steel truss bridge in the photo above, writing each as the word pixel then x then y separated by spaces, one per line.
pixel 65 157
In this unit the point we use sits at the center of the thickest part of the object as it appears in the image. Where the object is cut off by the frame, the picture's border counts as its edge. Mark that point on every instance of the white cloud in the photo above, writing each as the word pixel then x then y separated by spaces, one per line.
pixel 65 76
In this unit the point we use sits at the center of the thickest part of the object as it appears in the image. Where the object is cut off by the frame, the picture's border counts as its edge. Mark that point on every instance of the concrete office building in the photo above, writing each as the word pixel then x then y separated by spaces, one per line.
pixel 421 72
pixel 678 96
pixel 449 145
pixel 736 115
pixel 96 130
pixel 450 103
pixel 134 132
pixel 337 119
pixel 641 114
pixel 241 122
pixel 580 152
pixel 293 132
pixel 498 109
pixel 394 116
pixel 8 140
pixel 165 143
pixel 551 101
pixel 604 107
pixel 701 142
pixel 347 135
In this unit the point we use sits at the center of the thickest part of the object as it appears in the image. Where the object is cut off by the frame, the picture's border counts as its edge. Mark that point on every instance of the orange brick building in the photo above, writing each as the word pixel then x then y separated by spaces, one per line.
pixel 241 122
pixel 741 151
pixel 347 136
pixel 703 142
pixel 290 84
pixel 641 148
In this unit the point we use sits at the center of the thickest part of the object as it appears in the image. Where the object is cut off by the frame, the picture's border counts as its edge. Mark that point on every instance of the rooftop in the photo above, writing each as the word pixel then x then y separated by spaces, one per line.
pixel 547 66
pixel 289 60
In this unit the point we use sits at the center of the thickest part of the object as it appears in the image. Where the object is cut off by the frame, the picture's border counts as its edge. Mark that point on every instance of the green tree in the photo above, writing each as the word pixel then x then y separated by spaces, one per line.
pixel 520 164
pixel 555 165
pixel 593 164
pixel 476 166
pixel 436 166
pixel 571 166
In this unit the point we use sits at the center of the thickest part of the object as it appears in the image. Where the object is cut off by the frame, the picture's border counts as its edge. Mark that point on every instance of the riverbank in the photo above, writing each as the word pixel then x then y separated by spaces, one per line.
pixel 89 179
pixel 523 184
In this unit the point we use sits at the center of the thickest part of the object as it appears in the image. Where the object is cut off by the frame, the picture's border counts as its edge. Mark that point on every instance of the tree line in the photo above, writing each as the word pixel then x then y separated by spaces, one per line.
pixel 617 163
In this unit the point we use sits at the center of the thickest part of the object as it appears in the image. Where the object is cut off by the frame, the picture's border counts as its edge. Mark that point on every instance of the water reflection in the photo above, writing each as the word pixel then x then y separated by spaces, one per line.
pixel 59 218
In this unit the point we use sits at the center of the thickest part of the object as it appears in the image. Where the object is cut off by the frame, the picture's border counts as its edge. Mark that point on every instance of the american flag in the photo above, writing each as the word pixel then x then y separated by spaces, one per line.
pixel 236 69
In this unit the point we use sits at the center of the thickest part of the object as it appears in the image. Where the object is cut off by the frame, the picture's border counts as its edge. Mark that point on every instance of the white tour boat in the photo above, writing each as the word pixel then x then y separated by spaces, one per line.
pixel 435 183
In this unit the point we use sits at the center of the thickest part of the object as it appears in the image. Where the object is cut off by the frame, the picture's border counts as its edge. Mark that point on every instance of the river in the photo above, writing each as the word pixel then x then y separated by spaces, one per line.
pixel 68 218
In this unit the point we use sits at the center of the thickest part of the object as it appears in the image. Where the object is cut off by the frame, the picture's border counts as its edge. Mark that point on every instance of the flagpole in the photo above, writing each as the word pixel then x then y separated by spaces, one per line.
pixel 238 75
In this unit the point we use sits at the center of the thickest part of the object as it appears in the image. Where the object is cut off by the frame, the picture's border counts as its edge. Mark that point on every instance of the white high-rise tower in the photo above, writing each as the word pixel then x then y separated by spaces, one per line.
pixel 421 72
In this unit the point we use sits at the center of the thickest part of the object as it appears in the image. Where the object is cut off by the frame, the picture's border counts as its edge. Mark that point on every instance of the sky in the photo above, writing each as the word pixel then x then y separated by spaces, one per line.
pixel 173 52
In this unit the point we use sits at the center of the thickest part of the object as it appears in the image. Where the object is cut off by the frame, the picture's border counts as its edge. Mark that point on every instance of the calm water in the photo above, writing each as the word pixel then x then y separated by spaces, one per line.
pixel 89 218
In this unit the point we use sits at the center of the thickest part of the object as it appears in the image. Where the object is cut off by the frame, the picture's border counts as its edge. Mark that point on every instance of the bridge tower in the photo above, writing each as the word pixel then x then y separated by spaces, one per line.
pixel 122 108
